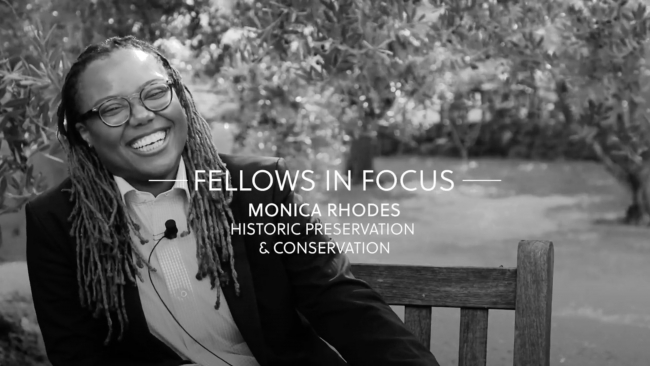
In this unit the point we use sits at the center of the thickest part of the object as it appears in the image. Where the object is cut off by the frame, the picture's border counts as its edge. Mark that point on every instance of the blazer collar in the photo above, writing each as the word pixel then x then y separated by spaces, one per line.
pixel 180 183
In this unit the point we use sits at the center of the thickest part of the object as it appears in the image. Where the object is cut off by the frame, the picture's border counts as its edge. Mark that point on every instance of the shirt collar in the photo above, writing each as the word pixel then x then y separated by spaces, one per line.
pixel 180 183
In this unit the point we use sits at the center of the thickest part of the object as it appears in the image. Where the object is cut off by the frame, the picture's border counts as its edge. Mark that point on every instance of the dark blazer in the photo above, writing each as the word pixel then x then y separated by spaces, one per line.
pixel 287 302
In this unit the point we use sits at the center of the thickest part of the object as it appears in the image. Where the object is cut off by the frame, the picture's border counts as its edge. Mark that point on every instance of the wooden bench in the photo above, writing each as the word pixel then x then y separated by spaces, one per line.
pixel 526 289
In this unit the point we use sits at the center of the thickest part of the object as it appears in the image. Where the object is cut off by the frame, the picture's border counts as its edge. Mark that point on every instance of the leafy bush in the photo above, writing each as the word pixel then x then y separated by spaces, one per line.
pixel 29 97
pixel 280 114
pixel 20 338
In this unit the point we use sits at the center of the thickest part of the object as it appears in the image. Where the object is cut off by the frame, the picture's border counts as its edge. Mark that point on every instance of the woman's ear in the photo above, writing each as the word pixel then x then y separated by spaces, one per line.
pixel 85 134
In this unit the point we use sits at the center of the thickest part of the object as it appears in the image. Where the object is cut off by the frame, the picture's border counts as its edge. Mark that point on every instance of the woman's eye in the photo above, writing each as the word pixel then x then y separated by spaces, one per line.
pixel 112 109
pixel 156 93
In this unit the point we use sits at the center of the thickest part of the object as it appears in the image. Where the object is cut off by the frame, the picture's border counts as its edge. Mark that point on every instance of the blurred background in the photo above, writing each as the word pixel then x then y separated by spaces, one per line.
pixel 548 96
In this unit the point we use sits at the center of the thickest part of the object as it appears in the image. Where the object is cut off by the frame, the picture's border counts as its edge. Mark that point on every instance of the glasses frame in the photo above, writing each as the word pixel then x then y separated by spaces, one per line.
pixel 95 111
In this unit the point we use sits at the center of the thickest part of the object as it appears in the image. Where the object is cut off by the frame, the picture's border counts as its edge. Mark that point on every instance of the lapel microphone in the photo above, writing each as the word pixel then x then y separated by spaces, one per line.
pixel 170 229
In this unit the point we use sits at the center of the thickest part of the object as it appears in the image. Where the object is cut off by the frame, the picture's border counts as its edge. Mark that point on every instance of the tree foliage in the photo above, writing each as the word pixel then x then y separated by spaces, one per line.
pixel 350 67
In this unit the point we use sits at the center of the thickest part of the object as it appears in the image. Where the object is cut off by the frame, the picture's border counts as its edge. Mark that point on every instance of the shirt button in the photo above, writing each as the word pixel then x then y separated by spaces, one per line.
pixel 183 293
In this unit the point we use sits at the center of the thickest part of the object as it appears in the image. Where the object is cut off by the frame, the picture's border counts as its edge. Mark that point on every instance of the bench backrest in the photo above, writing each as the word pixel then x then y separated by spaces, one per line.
pixel 526 289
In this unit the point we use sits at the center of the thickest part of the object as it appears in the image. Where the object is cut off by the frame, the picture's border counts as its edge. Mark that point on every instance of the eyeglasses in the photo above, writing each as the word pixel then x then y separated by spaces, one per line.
pixel 117 111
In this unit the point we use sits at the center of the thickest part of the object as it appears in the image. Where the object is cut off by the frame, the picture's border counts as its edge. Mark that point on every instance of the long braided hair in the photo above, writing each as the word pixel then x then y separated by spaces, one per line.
pixel 107 257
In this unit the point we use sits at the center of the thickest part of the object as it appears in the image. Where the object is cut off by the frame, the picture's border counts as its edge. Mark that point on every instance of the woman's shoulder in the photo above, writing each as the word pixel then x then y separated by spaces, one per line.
pixel 55 198
pixel 244 169
pixel 52 209
pixel 248 163
pixel 253 178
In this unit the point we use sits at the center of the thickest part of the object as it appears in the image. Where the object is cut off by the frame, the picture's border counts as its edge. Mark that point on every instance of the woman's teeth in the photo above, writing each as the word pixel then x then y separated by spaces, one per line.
pixel 150 142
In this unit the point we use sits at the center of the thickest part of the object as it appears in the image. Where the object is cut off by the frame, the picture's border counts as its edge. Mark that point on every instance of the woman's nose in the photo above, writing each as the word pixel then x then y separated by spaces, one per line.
pixel 140 114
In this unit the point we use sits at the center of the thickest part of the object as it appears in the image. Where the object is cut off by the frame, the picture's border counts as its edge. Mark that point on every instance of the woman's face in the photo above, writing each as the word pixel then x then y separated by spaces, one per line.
pixel 123 150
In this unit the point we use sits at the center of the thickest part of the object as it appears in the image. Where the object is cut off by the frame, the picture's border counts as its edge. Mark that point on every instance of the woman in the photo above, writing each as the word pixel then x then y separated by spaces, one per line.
pixel 113 285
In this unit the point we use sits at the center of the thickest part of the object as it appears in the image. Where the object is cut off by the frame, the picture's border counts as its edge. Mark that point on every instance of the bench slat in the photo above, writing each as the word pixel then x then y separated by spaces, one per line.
pixel 474 287
pixel 418 320
pixel 472 350
pixel 534 297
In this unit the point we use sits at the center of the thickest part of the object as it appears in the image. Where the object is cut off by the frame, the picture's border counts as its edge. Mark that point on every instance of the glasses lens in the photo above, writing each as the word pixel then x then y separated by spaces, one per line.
pixel 157 96
pixel 115 112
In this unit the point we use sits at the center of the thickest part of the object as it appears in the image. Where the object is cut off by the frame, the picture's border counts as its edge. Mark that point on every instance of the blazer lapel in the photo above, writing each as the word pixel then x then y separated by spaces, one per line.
pixel 138 336
pixel 244 307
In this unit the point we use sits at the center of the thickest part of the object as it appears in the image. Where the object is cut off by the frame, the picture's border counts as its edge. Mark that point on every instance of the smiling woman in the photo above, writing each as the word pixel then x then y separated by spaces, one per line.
pixel 149 146
pixel 134 141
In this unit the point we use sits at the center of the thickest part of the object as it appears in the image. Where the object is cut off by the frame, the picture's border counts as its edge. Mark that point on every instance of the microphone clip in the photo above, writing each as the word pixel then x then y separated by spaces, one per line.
pixel 171 231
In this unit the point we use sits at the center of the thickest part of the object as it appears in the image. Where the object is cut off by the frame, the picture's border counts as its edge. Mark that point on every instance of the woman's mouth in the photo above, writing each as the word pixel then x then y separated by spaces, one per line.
pixel 150 142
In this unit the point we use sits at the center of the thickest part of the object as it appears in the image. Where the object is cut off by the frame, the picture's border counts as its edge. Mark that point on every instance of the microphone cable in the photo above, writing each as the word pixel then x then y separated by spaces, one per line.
pixel 171 232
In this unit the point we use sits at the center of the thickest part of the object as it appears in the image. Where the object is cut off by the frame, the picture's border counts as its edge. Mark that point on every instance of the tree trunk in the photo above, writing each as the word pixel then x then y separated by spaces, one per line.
pixel 561 89
pixel 452 113
pixel 637 180
pixel 360 158
pixel 455 134
pixel 639 211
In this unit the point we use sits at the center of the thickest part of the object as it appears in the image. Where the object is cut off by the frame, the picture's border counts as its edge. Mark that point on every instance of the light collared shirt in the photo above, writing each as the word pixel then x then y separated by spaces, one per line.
pixel 191 301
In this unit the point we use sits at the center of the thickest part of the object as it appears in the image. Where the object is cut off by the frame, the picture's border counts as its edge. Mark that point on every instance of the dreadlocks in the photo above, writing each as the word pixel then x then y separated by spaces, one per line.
pixel 107 258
